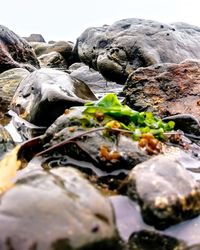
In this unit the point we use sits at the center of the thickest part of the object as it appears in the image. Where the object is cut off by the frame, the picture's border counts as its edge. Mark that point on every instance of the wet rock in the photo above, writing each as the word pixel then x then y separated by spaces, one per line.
pixel 35 38
pixel 9 80
pixel 64 48
pixel 165 89
pixel 53 60
pixel 93 79
pixel 56 210
pixel 20 129
pixel 187 123
pixel 45 94
pixel 15 52
pixel 149 240
pixel 107 153
pixel 6 141
pixel 129 222
pixel 128 44
pixel 165 190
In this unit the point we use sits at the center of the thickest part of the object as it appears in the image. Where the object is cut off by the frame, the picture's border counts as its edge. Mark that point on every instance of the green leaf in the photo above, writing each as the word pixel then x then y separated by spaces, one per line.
pixel 137 122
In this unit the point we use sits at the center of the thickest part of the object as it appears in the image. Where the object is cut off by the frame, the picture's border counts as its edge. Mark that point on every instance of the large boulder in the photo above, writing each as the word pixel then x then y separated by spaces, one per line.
pixel 118 49
pixel 9 80
pixel 54 211
pixel 46 93
pixel 165 190
pixel 165 89
pixel 15 52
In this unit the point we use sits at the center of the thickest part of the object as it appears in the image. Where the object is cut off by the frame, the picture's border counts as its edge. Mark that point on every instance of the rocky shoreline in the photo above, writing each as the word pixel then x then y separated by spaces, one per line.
pixel 107 152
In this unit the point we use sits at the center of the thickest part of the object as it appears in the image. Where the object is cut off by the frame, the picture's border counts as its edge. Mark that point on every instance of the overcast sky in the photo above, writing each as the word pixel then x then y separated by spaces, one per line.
pixel 67 19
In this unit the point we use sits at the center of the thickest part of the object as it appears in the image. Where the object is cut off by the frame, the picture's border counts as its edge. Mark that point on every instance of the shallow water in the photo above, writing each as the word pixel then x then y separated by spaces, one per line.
pixel 129 220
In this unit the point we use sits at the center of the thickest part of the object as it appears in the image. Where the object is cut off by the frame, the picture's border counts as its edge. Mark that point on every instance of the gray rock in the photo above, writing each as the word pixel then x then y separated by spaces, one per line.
pixel 108 154
pixel 9 80
pixel 93 79
pixel 56 210
pixel 45 94
pixel 6 141
pixel 129 221
pixel 35 38
pixel 53 60
pixel 15 52
pixel 165 190
pixel 65 48
pixel 128 44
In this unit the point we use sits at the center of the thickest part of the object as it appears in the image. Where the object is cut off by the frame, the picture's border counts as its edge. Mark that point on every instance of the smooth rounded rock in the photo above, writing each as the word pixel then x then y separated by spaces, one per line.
pixel 166 191
pixel 45 94
pixel 56 210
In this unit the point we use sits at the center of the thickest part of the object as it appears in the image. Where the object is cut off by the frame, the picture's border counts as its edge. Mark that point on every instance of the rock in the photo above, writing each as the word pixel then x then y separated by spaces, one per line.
pixel 187 123
pixel 56 210
pixel 128 44
pixel 64 48
pixel 9 80
pixel 165 190
pixel 53 60
pixel 165 89
pixel 6 141
pixel 46 93
pixel 20 129
pixel 149 240
pixel 35 38
pixel 129 222
pixel 15 52
pixel 90 147
pixel 93 79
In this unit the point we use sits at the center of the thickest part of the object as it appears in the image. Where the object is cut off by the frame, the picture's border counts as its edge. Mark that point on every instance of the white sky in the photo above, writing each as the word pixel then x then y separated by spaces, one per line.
pixel 67 19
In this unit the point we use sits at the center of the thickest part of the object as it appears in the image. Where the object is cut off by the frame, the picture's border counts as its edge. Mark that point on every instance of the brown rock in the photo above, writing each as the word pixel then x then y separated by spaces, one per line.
pixel 165 89
pixel 15 52
pixel 9 80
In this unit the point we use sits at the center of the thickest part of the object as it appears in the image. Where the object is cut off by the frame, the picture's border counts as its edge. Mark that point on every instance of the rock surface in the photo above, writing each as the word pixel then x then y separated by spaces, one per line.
pixel 165 190
pixel 46 93
pixel 9 80
pixel 64 48
pixel 53 60
pixel 15 52
pixel 149 240
pixel 128 44
pixel 93 79
pixel 129 221
pixel 165 89
pixel 56 210
pixel 35 38
pixel 6 141
pixel 107 153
